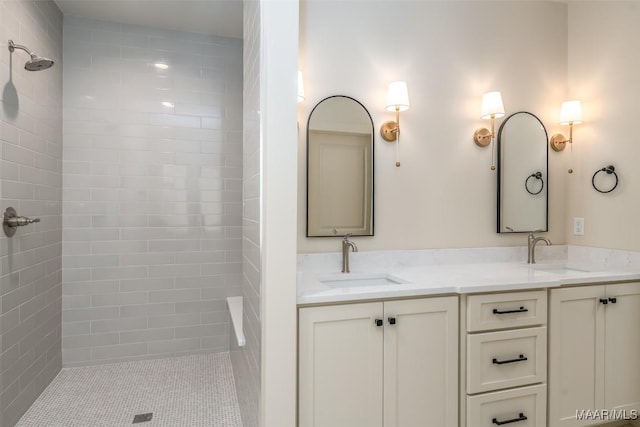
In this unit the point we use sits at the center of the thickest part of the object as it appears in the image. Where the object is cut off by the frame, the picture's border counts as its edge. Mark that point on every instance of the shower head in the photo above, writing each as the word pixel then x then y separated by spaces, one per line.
pixel 35 63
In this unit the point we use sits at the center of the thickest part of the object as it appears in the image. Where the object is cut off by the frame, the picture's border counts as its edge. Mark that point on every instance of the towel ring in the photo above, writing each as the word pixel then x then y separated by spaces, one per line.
pixel 609 170
pixel 537 175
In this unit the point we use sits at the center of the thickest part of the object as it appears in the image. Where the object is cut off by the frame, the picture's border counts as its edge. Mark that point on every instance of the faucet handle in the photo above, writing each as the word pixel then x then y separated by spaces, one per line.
pixel 347 236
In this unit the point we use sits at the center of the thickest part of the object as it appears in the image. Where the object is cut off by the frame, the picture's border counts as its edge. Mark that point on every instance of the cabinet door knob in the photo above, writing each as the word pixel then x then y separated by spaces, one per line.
pixel 613 300
pixel 521 417
pixel 604 301
pixel 379 322
pixel 392 320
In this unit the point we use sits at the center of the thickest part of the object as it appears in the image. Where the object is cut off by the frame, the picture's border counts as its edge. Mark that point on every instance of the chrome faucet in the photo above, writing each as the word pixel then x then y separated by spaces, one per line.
pixel 531 246
pixel 346 244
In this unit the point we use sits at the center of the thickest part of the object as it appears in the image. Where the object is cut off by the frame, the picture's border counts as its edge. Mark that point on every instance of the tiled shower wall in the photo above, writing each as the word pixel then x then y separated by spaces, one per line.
pixel 30 181
pixel 246 361
pixel 152 239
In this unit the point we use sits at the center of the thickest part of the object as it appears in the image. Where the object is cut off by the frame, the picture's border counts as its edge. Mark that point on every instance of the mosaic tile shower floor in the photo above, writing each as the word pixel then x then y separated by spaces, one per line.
pixel 192 391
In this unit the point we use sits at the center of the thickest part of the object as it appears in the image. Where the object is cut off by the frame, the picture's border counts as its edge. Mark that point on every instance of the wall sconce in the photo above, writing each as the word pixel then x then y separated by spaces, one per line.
pixel 570 114
pixel 492 108
pixel 300 87
pixel 397 100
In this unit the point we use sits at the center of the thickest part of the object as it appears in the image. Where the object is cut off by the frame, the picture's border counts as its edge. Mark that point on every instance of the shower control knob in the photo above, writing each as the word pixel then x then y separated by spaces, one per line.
pixel 21 221
pixel 11 221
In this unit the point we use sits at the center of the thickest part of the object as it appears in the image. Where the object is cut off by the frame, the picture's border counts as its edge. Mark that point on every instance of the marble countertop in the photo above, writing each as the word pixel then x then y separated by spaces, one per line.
pixel 317 287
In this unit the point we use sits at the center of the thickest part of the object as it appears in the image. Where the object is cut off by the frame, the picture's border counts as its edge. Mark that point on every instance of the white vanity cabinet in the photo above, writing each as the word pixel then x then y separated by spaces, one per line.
pixel 594 351
pixel 503 356
pixel 379 364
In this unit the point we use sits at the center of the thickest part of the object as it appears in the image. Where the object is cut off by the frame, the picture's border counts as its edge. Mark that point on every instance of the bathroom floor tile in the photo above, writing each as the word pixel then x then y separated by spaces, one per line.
pixel 192 391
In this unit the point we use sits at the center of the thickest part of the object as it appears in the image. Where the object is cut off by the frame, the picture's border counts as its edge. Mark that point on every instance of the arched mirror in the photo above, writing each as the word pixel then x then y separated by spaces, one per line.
pixel 522 174
pixel 339 169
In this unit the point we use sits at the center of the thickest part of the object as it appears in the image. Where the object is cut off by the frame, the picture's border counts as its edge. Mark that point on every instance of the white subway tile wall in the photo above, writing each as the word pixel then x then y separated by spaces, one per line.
pixel 152 241
pixel 31 182
pixel 247 360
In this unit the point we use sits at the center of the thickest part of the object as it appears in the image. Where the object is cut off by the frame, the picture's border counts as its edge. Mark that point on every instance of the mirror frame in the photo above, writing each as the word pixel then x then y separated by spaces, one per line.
pixel 499 174
pixel 373 140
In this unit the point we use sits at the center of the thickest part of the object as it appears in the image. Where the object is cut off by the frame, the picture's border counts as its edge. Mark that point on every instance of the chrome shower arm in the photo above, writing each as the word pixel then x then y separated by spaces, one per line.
pixel 13 46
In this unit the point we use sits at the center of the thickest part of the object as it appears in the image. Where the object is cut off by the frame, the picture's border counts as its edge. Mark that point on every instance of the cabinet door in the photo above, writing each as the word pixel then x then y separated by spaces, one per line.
pixel 576 354
pixel 421 363
pixel 622 363
pixel 340 366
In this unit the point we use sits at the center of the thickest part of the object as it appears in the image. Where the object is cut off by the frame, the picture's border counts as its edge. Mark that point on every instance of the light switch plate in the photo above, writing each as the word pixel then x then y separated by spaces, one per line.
pixel 578 226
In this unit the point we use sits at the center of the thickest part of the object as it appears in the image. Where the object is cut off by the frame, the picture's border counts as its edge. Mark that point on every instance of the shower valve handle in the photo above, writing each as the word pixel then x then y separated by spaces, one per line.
pixel 21 221
pixel 12 221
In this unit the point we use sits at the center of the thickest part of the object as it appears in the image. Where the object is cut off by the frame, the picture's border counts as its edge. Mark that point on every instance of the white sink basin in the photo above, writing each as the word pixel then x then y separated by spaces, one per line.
pixel 358 280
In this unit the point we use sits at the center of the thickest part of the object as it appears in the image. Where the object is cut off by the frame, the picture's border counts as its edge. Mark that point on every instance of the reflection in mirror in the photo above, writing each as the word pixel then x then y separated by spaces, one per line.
pixel 339 169
pixel 522 174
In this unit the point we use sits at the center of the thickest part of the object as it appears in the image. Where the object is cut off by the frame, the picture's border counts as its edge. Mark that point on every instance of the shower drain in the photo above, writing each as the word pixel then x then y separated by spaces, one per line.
pixel 142 418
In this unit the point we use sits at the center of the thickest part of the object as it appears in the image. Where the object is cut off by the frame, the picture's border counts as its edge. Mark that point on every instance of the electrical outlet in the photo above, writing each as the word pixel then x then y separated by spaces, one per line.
pixel 578 226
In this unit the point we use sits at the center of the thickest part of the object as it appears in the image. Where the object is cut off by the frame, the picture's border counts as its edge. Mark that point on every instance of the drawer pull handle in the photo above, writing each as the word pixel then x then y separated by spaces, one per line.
pixel 392 320
pixel 378 322
pixel 604 301
pixel 521 358
pixel 521 417
pixel 613 300
pixel 518 310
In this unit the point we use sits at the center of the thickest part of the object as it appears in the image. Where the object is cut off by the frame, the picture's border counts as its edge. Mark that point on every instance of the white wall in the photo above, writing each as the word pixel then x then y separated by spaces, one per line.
pixel 450 53
pixel 265 370
pixel 278 81
pixel 30 181
pixel 604 38
pixel 152 193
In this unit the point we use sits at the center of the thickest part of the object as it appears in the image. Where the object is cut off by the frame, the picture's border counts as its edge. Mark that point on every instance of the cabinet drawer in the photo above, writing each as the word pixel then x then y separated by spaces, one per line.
pixel 520 407
pixel 506 310
pixel 497 360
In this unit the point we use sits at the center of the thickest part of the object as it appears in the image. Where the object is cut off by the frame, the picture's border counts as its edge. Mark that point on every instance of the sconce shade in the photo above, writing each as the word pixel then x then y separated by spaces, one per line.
pixel 397 96
pixel 300 87
pixel 571 112
pixel 492 105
